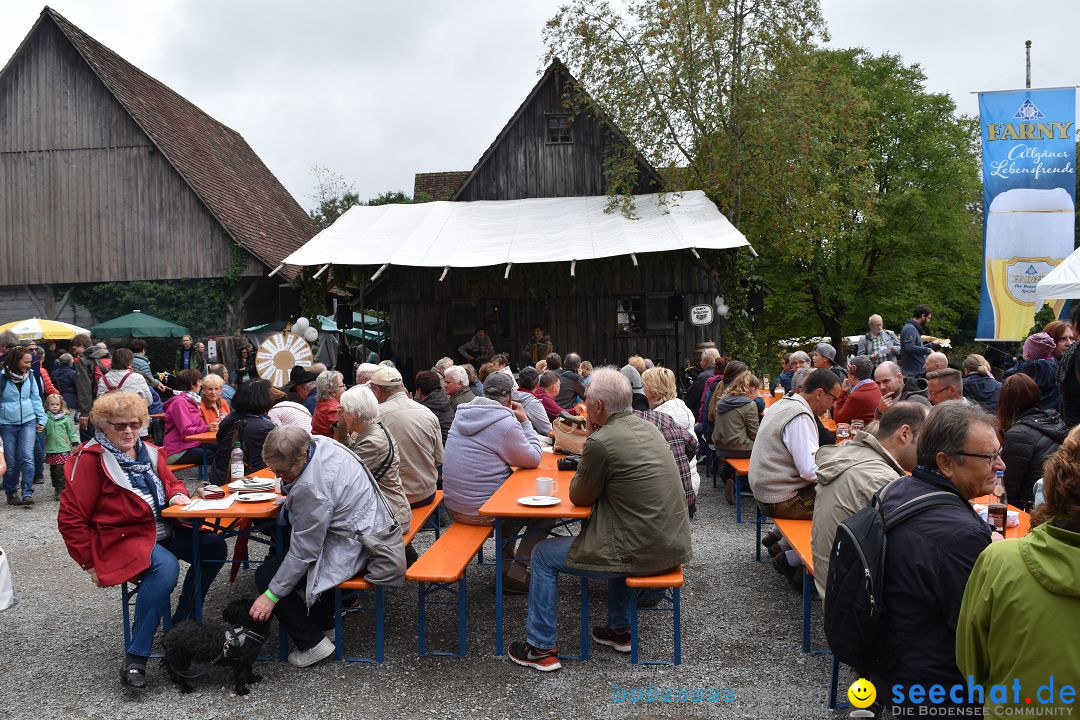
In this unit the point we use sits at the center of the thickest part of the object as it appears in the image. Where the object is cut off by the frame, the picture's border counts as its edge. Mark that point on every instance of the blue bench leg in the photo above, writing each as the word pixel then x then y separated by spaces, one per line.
pixel 757 544
pixel 462 615
pixel 832 682
pixel 584 618
pixel 125 598
pixel 633 627
pixel 421 622
pixel 807 596
pixel 676 604
pixel 380 618
pixel 339 653
pixel 738 501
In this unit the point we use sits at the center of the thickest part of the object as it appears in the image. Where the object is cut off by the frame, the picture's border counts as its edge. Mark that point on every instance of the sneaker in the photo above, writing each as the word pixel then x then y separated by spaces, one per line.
pixel 525 654
pixel 39 481
pixel 13 500
pixel 618 639
pixel 27 500
pixel 133 676
pixel 305 658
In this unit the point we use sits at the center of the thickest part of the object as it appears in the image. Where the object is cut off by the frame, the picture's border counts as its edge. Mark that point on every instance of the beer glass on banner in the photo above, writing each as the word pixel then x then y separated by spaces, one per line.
pixel 1028 232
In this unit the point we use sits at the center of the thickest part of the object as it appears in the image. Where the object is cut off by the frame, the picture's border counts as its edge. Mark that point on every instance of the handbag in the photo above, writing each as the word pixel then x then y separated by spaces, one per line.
pixel 569 437
pixel 385 564
pixel 7 586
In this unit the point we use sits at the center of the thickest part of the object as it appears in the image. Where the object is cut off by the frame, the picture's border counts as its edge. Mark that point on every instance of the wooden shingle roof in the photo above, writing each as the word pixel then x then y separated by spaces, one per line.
pixel 215 161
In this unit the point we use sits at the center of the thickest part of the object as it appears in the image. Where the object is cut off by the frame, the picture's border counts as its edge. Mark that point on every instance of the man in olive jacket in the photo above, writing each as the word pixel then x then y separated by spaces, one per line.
pixel 639 523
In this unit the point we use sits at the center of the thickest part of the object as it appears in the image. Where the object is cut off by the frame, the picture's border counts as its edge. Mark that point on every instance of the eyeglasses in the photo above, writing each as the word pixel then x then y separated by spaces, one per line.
pixel 128 425
pixel 831 396
pixel 990 459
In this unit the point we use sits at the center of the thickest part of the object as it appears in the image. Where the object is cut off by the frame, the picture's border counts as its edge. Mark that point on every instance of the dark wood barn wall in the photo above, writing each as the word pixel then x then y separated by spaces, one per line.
pixel 84 195
pixel 525 165
pixel 430 319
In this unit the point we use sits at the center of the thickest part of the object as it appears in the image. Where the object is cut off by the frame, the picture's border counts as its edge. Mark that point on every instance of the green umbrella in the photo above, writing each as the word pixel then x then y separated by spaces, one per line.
pixel 138 324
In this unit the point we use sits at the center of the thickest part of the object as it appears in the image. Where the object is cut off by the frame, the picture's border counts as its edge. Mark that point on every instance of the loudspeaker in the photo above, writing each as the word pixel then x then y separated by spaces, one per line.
pixel 288 302
pixel 344 317
pixel 755 297
pixel 675 305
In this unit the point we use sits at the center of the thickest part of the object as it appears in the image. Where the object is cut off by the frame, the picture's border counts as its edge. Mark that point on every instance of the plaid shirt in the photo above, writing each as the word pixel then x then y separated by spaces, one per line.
pixel 684 447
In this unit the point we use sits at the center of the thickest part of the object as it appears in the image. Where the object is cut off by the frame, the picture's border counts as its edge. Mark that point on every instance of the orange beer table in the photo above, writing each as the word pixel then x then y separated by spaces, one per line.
pixel 196 519
pixel 503 503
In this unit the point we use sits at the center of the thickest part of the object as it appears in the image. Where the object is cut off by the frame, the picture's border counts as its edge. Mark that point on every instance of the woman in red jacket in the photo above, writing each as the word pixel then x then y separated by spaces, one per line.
pixel 860 396
pixel 110 518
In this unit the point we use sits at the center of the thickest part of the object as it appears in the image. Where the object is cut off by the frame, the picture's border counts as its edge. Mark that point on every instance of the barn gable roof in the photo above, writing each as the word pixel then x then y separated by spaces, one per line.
pixel 214 160
pixel 556 67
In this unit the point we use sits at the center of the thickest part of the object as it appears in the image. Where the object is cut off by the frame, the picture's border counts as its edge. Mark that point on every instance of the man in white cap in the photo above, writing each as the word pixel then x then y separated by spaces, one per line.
pixel 417 432
pixel 363 373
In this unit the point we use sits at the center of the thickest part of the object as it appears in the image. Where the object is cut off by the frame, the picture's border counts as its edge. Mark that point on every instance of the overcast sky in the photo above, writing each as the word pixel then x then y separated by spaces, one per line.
pixel 378 91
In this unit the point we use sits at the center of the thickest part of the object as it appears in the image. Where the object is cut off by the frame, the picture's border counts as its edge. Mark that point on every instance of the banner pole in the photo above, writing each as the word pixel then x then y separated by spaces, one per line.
pixel 1027 52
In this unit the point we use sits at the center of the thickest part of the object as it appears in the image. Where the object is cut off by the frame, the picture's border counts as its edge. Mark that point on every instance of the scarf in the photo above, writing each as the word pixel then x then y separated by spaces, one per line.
pixel 139 470
pixel 16 378
pixel 58 416
pixel 193 397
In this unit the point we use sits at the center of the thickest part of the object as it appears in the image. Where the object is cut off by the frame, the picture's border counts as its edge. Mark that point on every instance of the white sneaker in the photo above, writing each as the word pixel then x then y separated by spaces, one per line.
pixel 304 658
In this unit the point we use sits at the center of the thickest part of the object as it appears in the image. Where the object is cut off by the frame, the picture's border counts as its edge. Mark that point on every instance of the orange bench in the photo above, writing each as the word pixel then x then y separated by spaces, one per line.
pixel 441 567
pixel 672 579
pixel 422 515
pixel 185 466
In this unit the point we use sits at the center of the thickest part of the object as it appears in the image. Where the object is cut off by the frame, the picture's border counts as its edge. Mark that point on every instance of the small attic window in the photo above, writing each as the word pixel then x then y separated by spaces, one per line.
pixel 559 130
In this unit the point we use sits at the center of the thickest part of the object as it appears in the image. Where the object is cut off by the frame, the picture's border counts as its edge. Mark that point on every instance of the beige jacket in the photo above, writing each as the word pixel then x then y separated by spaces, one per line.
pixel 419 440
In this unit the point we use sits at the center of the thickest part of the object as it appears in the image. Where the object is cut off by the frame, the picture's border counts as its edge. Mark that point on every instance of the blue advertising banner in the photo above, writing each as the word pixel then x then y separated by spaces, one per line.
pixel 1029 201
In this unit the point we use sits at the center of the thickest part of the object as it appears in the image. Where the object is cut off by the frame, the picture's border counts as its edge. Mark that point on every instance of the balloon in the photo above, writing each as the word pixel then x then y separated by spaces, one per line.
pixel 311 334
pixel 301 325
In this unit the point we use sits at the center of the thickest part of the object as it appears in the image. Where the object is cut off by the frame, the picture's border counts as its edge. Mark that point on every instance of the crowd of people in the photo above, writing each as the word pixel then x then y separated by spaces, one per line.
pixel 369 449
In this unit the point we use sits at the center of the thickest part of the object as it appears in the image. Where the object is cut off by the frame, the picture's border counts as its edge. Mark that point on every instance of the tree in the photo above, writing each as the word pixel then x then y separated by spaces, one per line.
pixel 333 196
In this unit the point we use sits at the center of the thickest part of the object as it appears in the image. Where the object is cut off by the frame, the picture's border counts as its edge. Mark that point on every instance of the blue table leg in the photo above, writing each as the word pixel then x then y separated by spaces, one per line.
pixel 807 596
pixel 584 617
pixel 339 654
pixel 196 566
pixel 462 614
pixel 421 621
pixel 498 588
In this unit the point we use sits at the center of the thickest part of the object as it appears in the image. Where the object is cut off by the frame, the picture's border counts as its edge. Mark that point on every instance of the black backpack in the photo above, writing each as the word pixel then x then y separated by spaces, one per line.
pixel 855 611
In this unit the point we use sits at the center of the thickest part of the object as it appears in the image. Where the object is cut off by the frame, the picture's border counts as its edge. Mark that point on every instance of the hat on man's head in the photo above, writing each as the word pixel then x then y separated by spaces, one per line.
pixel 826 351
pixel 385 376
pixel 631 374
pixel 498 384
pixel 1039 346
pixel 300 375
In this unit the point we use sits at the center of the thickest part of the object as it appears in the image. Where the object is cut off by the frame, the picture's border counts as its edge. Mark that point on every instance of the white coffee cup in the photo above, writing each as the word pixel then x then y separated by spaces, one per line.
pixel 546 486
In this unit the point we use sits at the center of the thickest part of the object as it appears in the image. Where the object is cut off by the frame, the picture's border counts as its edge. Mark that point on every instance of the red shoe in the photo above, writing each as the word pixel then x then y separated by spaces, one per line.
pixel 525 654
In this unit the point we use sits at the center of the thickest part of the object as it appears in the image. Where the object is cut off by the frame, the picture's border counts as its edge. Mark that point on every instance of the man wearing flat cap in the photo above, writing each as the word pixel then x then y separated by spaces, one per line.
pixel 416 430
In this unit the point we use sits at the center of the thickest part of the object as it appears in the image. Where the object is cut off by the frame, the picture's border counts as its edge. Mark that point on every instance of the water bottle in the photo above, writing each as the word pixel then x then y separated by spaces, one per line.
pixel 997 512
pixel 236 463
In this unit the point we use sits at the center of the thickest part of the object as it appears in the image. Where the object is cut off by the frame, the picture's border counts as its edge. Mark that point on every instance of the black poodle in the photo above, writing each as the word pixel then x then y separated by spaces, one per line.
pixel 235 644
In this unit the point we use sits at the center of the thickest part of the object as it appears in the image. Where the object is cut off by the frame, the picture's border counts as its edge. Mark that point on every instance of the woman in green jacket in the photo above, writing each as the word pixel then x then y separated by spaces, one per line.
pixel 1020 619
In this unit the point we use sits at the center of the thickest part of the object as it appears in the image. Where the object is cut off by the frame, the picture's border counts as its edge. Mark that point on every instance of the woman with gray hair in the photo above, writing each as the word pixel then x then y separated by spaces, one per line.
pixel 328 388
pixel 359 429
pixel 341 526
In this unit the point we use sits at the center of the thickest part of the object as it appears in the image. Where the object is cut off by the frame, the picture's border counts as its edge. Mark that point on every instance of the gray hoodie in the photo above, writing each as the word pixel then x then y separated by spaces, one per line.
pixel 848 476
pixel 485 442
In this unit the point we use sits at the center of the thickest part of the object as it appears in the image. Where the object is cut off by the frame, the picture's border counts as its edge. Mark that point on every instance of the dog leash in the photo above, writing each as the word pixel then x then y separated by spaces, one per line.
pixel 234 638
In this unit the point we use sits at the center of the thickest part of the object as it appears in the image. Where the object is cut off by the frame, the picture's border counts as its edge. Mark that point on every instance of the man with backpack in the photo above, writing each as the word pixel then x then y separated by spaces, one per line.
pixel 904 633
pixel 91 363
pixel 850 474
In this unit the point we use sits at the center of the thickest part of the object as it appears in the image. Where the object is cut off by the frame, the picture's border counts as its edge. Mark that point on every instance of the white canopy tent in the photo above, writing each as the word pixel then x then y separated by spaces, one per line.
pixel 496 232
pixel 1063 282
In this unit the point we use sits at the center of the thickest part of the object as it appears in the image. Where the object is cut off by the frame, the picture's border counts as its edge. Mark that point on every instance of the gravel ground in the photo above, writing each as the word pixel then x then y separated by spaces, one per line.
pixel 62 646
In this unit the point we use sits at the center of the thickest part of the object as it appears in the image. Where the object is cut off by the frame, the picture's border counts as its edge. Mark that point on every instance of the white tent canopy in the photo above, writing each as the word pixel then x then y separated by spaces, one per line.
pixel 1063 282
pixel 496 232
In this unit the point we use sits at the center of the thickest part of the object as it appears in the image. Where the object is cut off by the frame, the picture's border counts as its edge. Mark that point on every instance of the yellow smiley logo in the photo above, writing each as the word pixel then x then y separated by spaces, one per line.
pixel 862 693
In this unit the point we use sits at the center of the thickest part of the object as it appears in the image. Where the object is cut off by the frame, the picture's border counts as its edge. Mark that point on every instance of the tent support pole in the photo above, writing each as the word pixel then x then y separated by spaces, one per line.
pixel 445 270
pixel 323 269
pixel 379 272
pixel 276 270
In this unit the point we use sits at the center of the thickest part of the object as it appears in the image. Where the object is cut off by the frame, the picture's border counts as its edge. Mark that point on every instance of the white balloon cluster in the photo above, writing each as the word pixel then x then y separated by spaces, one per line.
pixel 305 329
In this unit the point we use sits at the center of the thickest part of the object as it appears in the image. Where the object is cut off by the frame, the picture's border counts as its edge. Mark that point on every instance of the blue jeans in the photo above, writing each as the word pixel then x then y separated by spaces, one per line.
pixel 19 441
pixel 548 560
pixel 158 581
pixel 39 457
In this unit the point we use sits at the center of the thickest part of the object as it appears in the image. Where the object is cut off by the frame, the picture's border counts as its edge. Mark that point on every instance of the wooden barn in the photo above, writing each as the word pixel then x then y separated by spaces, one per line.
pixel 107 175
pixel 607 308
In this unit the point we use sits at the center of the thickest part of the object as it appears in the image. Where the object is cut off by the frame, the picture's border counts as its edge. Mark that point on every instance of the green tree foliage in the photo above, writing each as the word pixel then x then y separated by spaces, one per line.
pixel 333 196
pixel 858 188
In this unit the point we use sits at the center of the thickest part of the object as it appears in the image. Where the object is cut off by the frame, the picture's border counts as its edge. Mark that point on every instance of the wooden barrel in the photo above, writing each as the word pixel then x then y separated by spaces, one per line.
pixel 702 347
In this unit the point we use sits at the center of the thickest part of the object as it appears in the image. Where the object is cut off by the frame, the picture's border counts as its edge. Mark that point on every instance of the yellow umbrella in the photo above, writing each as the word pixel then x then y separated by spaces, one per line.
pixel 38 329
